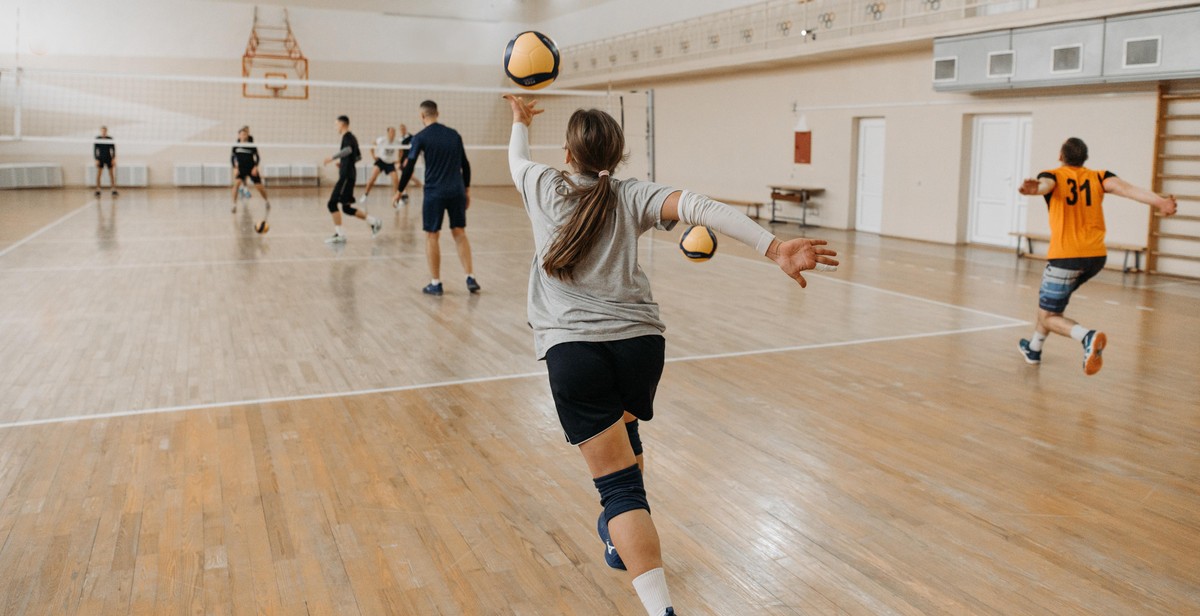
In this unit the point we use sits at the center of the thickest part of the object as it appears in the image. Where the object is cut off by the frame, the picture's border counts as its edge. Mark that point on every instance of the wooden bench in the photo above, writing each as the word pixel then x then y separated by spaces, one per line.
pixel 757 205
pixel 1129 249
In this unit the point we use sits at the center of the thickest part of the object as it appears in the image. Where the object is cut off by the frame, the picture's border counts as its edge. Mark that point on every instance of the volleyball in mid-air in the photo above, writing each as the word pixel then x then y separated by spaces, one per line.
pixel 698 243
pixel 531 60
pixel 262 227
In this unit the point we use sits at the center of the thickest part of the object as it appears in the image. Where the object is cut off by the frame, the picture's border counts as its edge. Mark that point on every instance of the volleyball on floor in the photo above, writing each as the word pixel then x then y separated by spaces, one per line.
pixel 531 60
pixel 698 243
pixel 262 227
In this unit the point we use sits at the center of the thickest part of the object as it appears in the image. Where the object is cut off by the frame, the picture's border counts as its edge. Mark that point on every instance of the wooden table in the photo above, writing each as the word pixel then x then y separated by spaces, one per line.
pixel 795 194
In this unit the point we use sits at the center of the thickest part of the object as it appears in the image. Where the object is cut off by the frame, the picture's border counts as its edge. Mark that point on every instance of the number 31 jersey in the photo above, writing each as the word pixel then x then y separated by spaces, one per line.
pixel 1076 212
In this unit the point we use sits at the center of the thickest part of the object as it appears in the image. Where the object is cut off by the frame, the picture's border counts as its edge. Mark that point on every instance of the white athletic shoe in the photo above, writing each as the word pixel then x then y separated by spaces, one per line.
pixel 363 199
pixel 336 238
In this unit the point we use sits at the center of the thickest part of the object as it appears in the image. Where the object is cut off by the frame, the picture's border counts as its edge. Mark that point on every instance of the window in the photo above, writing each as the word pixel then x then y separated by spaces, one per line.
pixel 1068 59
pixel 1142 52
pixel 1000 64
pixel 945 69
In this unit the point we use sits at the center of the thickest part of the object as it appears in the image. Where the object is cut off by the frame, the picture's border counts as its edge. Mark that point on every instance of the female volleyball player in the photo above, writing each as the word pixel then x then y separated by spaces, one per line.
pixel 595 322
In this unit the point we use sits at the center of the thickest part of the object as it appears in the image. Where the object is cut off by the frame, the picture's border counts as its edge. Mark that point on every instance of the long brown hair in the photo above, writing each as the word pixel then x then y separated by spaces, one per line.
pixel 596 144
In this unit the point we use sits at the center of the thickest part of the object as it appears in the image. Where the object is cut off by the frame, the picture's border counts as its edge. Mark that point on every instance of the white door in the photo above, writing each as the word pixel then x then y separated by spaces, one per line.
pixel 999 161
pixel 869 211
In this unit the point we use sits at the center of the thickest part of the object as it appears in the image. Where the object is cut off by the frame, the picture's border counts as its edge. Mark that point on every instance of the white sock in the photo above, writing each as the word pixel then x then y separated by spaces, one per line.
pixel 437 281
pixel 651 588
pixel 470 275
pixel 337 229
pixel 1035 343
pixel 1078 332
pixel 371 220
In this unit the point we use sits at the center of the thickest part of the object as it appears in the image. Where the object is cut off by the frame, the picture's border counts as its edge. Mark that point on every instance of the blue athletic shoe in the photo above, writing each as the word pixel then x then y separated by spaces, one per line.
pixel 433 289
pixel 472 286
pixel 1031 356
pixel 610 551
pixel 1093 345
pixel 670 612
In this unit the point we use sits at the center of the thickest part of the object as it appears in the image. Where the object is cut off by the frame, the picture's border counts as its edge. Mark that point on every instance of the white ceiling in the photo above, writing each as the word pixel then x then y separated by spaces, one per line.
pixel 490 11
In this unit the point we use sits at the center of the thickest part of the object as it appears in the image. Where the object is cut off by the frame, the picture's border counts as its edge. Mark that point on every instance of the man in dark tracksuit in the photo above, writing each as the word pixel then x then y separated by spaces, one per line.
pixel 343 191
pixel 244 159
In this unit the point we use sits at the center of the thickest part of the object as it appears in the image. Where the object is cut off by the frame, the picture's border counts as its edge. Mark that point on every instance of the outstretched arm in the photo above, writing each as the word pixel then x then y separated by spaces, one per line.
pixel 1119 187
pixel 1040 186
pixel 793 256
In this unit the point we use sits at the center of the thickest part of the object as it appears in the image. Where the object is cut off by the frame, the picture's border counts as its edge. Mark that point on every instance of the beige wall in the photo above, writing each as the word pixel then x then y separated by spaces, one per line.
pixel 731 135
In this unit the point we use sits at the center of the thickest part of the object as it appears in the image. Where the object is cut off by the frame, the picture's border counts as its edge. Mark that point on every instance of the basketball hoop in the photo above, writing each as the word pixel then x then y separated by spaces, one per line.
pixel 276 83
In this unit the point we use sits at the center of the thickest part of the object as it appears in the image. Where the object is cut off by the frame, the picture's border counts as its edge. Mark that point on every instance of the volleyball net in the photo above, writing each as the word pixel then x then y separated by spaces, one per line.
pixel 176 117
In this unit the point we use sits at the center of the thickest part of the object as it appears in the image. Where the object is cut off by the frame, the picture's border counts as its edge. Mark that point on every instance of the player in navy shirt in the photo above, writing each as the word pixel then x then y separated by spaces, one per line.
pixel 447 191
pixel 343 191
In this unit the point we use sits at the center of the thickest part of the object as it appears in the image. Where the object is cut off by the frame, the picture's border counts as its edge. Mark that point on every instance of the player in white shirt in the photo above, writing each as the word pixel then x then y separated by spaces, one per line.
pixel 385 152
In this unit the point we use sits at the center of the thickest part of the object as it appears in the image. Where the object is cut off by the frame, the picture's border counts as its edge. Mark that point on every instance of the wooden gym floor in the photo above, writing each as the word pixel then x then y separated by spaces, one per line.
pixel 194 419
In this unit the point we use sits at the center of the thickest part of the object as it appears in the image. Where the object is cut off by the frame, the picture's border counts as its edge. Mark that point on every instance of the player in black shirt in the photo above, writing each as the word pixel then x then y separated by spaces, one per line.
pixel 105 154
pixel 343 191
pixel 245 167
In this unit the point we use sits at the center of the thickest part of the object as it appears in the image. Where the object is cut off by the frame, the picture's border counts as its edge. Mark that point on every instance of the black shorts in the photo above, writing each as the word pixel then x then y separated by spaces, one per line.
pixel 1062 277
pixel 247 173
pixel 386 168
pixel 594 383
pixel 436 207
pixel 104 162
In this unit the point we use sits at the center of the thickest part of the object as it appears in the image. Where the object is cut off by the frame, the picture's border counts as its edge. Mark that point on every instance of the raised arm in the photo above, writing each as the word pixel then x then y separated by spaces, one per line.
pixel 793 256
pixel 1117 186
pixel 518 145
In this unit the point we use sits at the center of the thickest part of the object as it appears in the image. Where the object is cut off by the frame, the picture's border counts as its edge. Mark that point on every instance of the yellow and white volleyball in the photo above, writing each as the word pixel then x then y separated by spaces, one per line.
pixel 698 243
pixel 262 227
pixel 531 60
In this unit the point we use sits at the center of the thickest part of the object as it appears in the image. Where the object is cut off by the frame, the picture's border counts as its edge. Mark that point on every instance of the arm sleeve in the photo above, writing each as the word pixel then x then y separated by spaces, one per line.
pixel 518 153
pixel 406 173
pixel 342 153
pixel 233 157
pixel 256 159
pixel 697 209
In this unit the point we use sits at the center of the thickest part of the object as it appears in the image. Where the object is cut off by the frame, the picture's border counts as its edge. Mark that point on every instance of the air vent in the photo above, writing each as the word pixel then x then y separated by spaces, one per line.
pixel 945 69
pixel 1000 64
pixel 1142 52
pixel 1068 59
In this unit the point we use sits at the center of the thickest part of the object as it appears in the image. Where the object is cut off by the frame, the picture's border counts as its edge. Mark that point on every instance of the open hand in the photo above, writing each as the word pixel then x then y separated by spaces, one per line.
pixel 1168 206
pixel 798 255
pixel 523 111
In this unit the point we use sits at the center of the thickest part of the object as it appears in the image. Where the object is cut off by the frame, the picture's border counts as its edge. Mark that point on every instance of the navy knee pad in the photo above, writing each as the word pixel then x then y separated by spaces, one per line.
pixel 635 439
pixel 622 491
pixel 349 209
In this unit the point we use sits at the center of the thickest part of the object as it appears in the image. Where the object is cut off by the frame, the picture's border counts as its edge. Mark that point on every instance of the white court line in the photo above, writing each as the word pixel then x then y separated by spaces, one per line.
pixel 482 379
pixel 45 228
pixel 129 266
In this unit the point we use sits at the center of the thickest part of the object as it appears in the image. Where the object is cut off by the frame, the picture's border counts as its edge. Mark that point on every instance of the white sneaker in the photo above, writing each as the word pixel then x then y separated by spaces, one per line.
pixel 376 227
pixel 362 199
pixel 336 238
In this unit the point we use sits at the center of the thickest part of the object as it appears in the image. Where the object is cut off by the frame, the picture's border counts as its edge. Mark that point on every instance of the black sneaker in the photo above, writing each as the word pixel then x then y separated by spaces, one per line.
pixel 1031 356
pixel 97 193
pixel 433 289
pixel 610 551
pixel 472 286
pixel 115 193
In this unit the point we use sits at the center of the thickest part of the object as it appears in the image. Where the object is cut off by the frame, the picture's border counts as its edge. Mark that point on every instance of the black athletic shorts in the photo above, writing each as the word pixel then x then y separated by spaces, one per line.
pixel 436 207
pixel 244 173
pixel 386 168
pixel 104 162
pixel 594 383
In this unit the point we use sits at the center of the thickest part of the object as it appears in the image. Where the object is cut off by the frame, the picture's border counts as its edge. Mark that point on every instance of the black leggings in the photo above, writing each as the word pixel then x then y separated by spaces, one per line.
pixel 343 191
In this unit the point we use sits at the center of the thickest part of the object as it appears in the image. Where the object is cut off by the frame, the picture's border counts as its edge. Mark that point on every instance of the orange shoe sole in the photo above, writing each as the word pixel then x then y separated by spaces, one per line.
pixel 1095 360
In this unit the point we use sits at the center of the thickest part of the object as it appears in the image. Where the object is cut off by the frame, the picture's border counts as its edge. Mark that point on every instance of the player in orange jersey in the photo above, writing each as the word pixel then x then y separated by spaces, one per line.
pixel 1074 197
